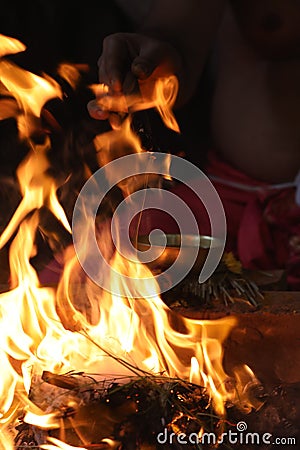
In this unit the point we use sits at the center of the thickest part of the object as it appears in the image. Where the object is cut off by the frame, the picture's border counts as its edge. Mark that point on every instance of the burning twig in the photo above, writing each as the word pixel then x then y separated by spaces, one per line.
pixel 118 413
pixel 134 369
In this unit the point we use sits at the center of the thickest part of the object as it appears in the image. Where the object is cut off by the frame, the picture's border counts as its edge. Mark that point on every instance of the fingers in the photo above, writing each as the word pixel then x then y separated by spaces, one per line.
pixel 95 112
pixel 147 60
pixel 114 62
pixel 126 60
pixel 155 55
pixel 128 57
pixel 114 71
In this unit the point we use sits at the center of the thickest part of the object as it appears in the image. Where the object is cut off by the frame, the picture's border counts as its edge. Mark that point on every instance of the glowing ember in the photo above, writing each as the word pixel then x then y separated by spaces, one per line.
pixel 77 325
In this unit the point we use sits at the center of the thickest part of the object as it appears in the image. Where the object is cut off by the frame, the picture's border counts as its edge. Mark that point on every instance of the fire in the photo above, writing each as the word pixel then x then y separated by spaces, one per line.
pixel 30 91
pixel 9 45
pixel 57 444
pixel 38 189
pixel 77 325
pixel 161 95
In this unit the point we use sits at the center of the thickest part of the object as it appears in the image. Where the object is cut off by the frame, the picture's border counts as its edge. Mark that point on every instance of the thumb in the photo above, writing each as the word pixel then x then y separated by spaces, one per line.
pixel 153 55
pixel 142 67
pixel 148 58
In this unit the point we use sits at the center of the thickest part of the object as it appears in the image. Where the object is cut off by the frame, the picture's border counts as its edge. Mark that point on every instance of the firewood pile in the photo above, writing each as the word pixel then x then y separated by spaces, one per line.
pixel 129 412
pixel 148 413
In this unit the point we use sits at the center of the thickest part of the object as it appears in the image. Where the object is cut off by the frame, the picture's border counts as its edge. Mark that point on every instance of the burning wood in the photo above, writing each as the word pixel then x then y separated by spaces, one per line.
pixel 120 410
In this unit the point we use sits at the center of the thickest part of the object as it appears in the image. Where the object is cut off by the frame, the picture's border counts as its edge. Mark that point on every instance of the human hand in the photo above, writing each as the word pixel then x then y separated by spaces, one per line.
pixel 129 65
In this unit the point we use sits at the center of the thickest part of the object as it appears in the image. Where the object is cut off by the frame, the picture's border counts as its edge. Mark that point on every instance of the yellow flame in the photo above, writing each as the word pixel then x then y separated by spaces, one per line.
pixel 59 445
pixel 77 325
pixel 42 420
pixel 9 45
pixel 70 73
pixel 161 94
pixel 30 90
pixel 6 440
pixel 38 189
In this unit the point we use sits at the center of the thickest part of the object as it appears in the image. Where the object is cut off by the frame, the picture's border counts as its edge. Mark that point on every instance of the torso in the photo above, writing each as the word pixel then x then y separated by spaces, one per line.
pixel 256 103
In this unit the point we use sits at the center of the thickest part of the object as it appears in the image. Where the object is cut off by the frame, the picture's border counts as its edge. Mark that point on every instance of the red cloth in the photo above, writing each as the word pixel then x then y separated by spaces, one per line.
pixel 263 224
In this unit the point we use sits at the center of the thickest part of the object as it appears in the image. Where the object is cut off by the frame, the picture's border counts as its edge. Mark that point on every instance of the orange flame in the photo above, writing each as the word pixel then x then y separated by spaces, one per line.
pixel 9 45
pixel 161 95
pixel 70 73
pixel 59 445
pixel 38 189
pixel 76 325
pixel 30 90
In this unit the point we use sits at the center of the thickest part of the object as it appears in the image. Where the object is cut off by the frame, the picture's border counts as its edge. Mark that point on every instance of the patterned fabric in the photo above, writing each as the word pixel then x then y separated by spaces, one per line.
pixel 263 220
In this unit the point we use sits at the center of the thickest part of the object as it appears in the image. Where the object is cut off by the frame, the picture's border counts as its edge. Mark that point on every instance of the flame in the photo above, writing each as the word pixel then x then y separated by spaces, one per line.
pixel 108 148
pixel 9 45
pixel 42 420
pixel 70 73
pixel 57 444
pixel 38 189
pixel 161 95
pixel 30 90
pixel 6 441
pixel 77 325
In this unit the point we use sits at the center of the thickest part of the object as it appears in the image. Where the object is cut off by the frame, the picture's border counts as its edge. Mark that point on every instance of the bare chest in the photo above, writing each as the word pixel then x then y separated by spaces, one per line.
pixel 256 106
pixel 272 27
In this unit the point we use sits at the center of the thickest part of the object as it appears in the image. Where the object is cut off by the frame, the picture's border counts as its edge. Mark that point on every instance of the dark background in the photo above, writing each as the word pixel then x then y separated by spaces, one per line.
pixel 73 32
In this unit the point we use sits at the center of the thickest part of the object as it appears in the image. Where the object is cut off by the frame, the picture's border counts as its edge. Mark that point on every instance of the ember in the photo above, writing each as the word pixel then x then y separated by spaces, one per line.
pixel 83 365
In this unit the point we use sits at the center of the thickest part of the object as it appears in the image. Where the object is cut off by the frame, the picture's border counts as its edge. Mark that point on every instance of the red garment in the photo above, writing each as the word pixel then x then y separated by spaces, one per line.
pixel 263 221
